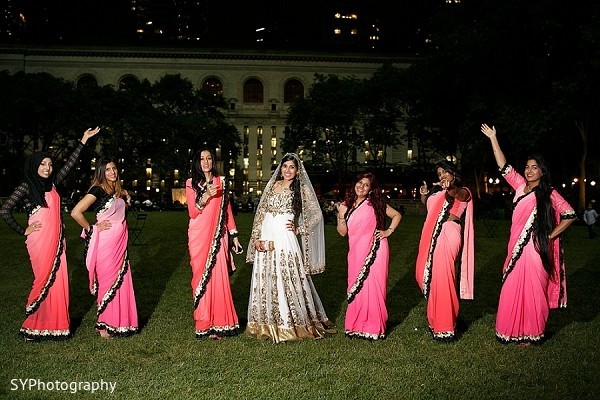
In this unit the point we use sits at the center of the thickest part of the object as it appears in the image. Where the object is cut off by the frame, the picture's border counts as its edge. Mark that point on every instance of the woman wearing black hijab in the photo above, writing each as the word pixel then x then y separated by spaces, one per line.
pixel 47 307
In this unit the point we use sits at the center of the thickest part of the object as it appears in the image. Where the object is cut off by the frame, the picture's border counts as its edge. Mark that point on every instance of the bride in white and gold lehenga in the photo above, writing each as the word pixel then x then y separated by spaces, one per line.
pixel 284 304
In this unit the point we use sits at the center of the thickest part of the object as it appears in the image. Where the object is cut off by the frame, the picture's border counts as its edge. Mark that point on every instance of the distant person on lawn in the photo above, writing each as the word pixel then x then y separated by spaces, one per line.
pixel 589 217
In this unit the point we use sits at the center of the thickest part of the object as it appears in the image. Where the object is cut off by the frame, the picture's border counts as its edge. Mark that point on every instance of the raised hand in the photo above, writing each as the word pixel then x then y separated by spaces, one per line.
pixel 487 131
pixel 89 133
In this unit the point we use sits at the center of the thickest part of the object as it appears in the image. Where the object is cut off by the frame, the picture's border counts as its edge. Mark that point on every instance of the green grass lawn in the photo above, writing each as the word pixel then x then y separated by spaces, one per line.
pixel 165 361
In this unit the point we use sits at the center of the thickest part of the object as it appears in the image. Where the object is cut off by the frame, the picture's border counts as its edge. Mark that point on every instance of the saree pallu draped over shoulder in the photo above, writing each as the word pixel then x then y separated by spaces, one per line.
pixel 528 291
pixel 47 307
pixel 106 259
pixel 368 261
pixel 211 262
pixel 441 243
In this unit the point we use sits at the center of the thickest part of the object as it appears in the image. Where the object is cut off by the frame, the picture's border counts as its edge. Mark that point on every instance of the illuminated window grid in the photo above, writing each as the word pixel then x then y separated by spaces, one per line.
pixel 273 145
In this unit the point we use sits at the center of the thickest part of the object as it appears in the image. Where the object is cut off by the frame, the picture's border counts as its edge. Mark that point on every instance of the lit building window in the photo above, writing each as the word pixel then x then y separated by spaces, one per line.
pixel 354 32
pixel 213 86
pixel 259 151
pixel 273 144
pixel 337 31
pixel 409 155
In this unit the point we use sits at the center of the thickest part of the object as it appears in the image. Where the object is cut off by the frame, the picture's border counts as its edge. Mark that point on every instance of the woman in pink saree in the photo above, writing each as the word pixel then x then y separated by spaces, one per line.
pixel 211 225
pixel 105 251
pixel 534 270
pixel 47 307
pixel 442 240
pixel 362 217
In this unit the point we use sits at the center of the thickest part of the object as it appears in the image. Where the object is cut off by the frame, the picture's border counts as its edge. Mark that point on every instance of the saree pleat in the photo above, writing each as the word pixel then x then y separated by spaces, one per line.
pixel 211 261
pixel 110 272
pixel 366 315
pixel 439 248
pixel 528 292
pixel 47 307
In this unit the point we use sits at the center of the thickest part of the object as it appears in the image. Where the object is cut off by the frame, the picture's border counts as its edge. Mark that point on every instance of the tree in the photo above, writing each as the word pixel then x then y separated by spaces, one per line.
pixel 381 109
pixel 323 123
pixel 501 63
pixel 162 122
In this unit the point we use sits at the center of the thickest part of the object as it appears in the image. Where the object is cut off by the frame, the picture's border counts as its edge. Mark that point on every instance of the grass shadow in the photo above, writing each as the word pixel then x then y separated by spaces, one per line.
pixel 405 295
pixel 583 298
pixel 81 300
pixel 154 262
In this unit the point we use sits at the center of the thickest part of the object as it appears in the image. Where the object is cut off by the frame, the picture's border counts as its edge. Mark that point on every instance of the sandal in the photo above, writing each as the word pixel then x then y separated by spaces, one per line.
pixel 105 335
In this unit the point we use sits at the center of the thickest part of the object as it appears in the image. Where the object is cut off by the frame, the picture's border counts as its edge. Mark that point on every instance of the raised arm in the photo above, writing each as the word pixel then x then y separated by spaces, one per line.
pixel 423 191
pixel 498 154
pixel 72 160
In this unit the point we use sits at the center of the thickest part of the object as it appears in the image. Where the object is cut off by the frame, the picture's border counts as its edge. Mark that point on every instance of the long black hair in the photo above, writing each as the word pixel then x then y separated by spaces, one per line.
pixel 198 177
pixel 375 196
pixel 294 186
pixel 545 220
pixel 37 185
pixel 450 168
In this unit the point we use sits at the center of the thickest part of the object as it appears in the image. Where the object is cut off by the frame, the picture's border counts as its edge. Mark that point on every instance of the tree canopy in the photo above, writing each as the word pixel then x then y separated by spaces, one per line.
pixel 161 122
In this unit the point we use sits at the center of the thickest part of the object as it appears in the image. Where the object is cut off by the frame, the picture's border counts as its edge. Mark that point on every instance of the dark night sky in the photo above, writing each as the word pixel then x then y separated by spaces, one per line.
pixel 230 23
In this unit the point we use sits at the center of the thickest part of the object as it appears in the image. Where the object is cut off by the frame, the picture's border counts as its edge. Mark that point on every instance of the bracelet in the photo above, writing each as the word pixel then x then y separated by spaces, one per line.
pixel 391 229
pixel 423 193
pixel 200 204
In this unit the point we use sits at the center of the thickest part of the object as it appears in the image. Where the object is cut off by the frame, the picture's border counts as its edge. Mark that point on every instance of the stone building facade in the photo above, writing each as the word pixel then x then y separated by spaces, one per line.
pixel 259 87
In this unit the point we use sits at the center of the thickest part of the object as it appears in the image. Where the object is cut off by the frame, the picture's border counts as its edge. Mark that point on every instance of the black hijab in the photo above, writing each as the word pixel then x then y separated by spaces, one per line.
pixel 38 186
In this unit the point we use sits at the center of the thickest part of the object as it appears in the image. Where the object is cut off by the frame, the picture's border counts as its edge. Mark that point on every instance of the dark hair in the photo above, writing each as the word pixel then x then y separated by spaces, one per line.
pixel 450 168
pixel 198 177
pixel 37 185
pixel 99 178
pixel 294 186
pixel 545 220
pixel 375 196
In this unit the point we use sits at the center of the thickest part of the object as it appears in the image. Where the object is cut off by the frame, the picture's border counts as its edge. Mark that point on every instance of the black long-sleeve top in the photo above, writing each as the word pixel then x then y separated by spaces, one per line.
pixel 21 192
